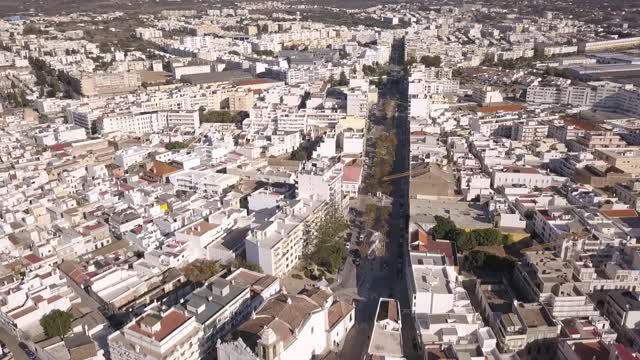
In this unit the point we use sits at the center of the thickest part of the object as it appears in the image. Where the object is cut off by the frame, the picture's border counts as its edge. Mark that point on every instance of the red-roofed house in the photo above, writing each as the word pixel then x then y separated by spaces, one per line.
pixel 351 179
pixel 155 335
pixel 427 244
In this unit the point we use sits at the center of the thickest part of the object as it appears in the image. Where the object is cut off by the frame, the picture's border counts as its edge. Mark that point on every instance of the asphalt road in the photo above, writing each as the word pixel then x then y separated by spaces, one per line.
pixel 12 343
pixel 371 280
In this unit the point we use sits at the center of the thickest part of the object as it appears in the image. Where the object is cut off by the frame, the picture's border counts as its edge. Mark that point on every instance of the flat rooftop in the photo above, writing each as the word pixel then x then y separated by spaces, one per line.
pixel 498 297
pixel 461 213
pixel 534 315
pixel 386 337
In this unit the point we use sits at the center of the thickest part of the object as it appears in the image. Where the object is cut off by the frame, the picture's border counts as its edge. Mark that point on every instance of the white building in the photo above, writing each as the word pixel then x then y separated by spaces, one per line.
pixel 321 181
pixel 148 33
pixel 160 335
pixel 60 134
pixel 386 336
pixel 353 141
pixel 277 244
pixel 131 156
pixel 486 95
pixel 528 130
pixel 358 102
pixel 529 177
pixel 205 182
pixel 320 324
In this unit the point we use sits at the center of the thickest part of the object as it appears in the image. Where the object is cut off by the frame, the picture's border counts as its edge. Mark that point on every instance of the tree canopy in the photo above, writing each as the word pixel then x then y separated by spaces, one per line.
pixel 467 240
pixel 343 80
pixel 219 116
pixel 431 61
pixel 200 270
pixel 475 261
pixel 176 145
pixel 56 323
pixel 238 262
pixel 327 240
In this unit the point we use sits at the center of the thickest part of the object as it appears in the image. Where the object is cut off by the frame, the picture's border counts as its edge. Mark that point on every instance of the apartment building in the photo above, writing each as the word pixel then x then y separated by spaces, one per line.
pixel 358 102
pixel 147 33
pixel 595 46
pixel 83 117
pixel 322 181
pixel 352 178
pixel 549 50
pixel 516 325
pixel 627 160
pixel 219 307
pixel 60 134
pixel 106 83
pixel 510 175
pixel 598 94
pixel 353 141
pixel 486 95
pixel 529 130
pixel 173 334
pixel 493 126
pixel 548 279
pixel 131 156
pixel 206 182
pixel 628 193
pixel 554 223
pixel 622 308
pixel 277 244
pixel 591 140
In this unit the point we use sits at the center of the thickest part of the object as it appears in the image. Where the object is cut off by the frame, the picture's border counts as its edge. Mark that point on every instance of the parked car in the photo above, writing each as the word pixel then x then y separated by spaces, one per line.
pixel 30 354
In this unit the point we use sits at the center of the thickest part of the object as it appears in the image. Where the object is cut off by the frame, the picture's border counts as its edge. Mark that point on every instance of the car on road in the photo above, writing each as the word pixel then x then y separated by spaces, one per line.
pixel 30 354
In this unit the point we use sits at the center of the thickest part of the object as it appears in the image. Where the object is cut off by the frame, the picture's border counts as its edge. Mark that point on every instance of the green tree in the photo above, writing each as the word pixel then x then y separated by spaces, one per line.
pixel 431 61
pixel 476 261
pixel 327 241
pixel 267 53
pixel 31 29
pixel 239 262
pixel 227 117
pixel 342 80
pixel 332 80
pixel 200 270
pixel 176 145
pixel 370 215
pixel 444 228
pixel 56 323
pixel 298 154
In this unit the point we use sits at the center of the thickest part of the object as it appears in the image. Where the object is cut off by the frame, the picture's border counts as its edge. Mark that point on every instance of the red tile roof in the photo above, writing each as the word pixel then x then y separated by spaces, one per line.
pixel 248 82
pixel 59 147
pixel 32 258
pixel 429 245
pixel 168 324
pixel 352 173
pixel 496 108
pixel 23 312
pixel 619 213
pixel 54 298
pixel 591 351
pixel 95 226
